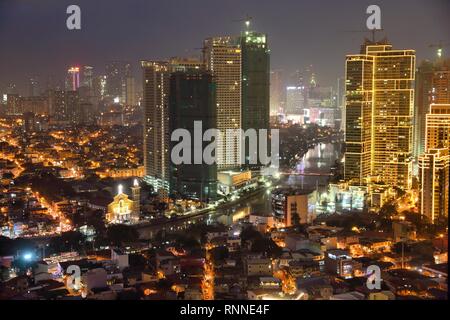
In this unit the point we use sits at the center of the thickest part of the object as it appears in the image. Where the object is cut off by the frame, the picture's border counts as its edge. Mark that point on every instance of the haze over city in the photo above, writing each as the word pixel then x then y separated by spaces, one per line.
pixel 301 33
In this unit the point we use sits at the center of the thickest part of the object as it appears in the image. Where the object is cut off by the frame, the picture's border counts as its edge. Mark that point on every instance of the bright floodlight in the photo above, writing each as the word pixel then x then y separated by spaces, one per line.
pixel 27 256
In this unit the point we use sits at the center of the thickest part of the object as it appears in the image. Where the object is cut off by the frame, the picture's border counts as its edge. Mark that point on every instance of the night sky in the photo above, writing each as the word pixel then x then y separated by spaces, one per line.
pixel 34 39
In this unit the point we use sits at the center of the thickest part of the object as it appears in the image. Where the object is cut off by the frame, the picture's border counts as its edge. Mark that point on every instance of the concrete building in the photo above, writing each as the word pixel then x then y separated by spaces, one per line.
pixel 156 125
pixel 192 108
pixel 291 207
pixel 256 266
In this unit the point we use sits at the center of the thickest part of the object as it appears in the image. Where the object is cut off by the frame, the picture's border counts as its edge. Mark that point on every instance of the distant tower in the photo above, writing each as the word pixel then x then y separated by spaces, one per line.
pixel 73 79
pixel 136 197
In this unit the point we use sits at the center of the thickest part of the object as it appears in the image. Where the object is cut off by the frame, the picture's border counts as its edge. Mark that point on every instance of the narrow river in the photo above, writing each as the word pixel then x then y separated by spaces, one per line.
pixel 317 160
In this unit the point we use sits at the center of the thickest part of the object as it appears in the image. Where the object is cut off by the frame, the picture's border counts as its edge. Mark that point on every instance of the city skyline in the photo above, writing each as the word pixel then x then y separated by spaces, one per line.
pixel 258 165
pixel 297 40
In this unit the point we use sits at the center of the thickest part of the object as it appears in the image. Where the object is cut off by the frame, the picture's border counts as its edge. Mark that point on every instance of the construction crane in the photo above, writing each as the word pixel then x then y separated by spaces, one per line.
pixel 373 31
pixel 439 47
pixel 247 21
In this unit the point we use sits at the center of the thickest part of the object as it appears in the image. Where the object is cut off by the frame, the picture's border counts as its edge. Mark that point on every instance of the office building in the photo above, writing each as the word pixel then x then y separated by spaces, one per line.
pixel 295 100
pixel 131 97
pixel 437 127
pixel 276 92
pixel 379 114
pixel 434 164
pixel 434 178
pixel 87 76
pixel 432 87
pixel 117 73
pixel 191 104
pixel 223 58
pixel 255 112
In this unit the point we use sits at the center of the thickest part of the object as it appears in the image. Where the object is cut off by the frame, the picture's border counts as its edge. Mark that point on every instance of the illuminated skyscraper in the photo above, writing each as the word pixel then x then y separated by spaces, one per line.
pixel 379 114
pixel 33 87
pixel 73 79
pixel 295 100
pixel 434 164
pixel 156 77
pixel 432 86
pixel 358 117
pixel 117 73
pixel 255 112
pixel 223 57
pixel 87 76
pixel 276 91
pixel 131 99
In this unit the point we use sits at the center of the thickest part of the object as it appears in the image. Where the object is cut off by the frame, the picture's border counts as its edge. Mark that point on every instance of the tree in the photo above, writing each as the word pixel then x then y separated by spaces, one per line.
pixel 266 245
pixel 12 247
pixel 219 254
pixel 119 234
pixel 250 233
pixel 68 241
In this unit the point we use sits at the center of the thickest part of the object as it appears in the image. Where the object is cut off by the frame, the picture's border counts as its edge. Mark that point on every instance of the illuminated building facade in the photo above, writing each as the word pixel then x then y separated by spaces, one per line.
pixel 156 76
pixel 87 76
pixel 434 177
pixel 295 100
pixel 223 58
pixel 276 91
pixel 117 73
pixel 434 164
pixel 293 207
pixel 340 262
pixel 73 79
pixel 379 114
pixel 64 106
pixel 123 209
pixel 432 87
pixel 437 127
pixel 358 117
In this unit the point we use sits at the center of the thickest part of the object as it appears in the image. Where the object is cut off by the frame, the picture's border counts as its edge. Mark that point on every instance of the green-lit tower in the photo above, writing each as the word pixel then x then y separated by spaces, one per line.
pixel 255 83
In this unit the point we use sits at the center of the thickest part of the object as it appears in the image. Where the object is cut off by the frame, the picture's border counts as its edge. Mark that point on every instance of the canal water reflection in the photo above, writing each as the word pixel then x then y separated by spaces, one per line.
pixel 317 160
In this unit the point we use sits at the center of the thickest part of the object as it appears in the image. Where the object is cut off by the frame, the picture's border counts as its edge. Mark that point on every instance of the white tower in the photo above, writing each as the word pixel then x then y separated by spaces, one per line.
pixel 136 197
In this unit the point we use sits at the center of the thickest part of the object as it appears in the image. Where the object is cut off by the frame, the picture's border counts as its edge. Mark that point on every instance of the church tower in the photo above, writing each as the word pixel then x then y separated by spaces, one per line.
pixel 136 197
